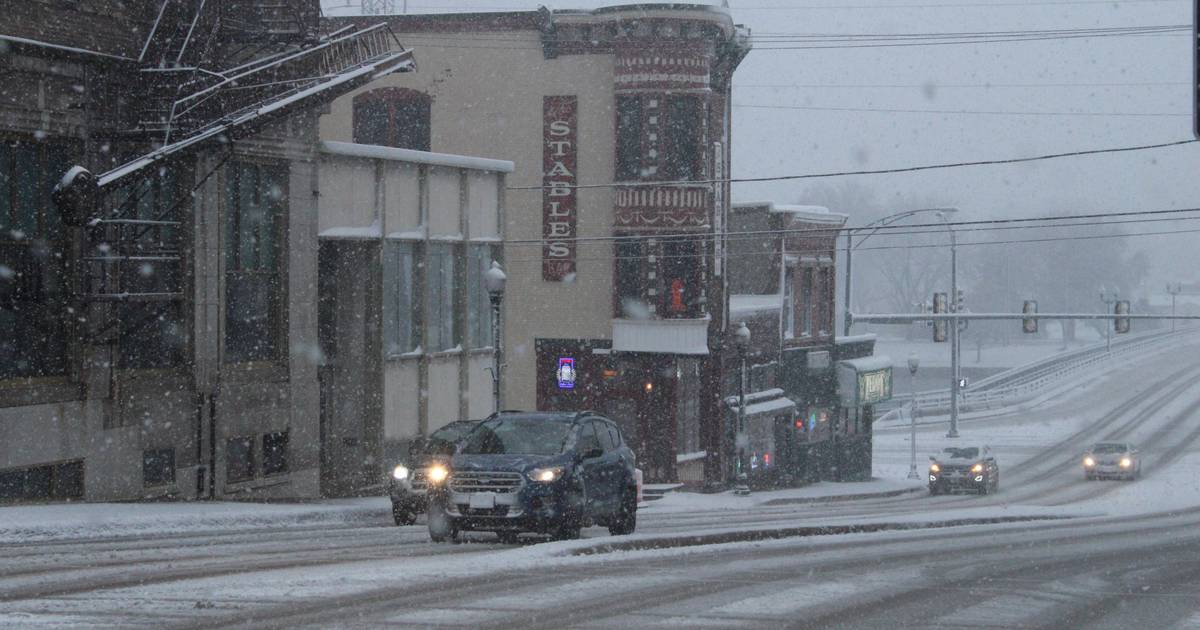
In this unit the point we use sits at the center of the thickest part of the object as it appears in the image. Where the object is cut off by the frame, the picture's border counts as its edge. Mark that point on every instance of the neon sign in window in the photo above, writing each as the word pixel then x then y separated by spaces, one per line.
pixel 566 373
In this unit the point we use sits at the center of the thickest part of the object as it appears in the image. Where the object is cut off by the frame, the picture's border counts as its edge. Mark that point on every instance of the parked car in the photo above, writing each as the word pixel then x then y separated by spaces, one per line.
pixel 1116 460
pixel 964 468
pixel 543 472
pixel 409 481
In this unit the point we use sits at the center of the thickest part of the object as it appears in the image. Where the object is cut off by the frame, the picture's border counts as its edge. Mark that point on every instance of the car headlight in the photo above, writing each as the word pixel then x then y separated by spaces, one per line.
pixel 977 468
pixel 546 475
pixel 437 473
pixel 400 472
pixel 935 468
pixel 1126 462
pixel 1089 462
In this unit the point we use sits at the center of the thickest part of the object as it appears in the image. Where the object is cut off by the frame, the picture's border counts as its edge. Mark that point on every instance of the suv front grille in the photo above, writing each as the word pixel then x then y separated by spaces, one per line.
pixel 420 480
pixel 475 481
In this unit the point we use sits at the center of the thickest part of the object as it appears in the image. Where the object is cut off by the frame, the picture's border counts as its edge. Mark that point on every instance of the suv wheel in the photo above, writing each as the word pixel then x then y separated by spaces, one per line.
pixel 441 527
pixel 625 520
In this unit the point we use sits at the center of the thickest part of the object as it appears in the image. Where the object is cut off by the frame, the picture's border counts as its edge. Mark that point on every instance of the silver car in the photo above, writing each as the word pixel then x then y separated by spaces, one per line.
pixel 1112 460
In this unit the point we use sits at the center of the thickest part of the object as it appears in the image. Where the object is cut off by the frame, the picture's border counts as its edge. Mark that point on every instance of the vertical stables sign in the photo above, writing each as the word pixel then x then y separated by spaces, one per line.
pixel 559 202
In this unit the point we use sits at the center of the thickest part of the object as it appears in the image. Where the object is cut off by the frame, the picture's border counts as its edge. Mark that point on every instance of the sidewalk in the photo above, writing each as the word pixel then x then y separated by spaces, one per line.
pixel 91 521
pixel 822 492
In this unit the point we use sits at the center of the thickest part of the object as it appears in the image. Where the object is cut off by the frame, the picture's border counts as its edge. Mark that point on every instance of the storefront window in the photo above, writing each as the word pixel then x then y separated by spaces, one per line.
pixel 254 205
pixel 441 291
pixel 399 299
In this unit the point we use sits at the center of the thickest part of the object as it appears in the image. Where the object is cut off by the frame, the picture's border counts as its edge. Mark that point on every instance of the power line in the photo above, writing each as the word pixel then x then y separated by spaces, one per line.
pixel 881 247
pixel 885 171
pixel 891 110
pixel 941 86
pixel 1098 217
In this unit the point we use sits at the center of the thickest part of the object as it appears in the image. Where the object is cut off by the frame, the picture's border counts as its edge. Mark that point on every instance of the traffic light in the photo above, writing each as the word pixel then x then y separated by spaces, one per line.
pixel 1121 324
pixel 960 303
pixel 1029 324
pixel 939 326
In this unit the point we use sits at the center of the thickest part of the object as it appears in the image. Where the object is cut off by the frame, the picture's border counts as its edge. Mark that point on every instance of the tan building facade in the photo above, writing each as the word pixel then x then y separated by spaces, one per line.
pixel 616 120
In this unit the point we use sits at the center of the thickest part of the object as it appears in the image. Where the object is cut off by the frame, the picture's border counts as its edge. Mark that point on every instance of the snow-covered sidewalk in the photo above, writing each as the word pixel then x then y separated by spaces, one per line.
pixel 825 491
pixel 38 523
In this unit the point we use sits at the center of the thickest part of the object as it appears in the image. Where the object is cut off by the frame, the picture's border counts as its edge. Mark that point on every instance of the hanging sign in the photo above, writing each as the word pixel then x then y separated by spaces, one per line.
pixel 559 197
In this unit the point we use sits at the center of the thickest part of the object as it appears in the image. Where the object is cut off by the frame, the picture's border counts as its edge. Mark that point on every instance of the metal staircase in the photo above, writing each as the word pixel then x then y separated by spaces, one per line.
pixel 214 71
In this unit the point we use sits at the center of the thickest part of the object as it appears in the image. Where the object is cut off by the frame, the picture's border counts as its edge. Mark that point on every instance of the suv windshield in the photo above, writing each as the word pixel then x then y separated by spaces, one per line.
pixel 513 436
pixel 962 453
pixel 1108 448
pixel 444 440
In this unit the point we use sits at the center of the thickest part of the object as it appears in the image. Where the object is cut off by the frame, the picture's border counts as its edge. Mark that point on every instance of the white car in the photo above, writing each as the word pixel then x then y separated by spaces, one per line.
pixel 1112 460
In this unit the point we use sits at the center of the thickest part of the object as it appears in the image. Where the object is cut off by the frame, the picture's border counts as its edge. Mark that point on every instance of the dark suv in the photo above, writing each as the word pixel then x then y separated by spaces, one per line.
pixel 408 484
pixel 544 472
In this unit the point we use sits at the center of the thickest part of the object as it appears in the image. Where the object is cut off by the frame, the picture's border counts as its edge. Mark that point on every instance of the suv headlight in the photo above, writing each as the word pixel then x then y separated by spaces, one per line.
pixel 1089 462
pixel 546 475
pixel 977 468
pixel 400 472
pixel 1126 462
pixel 935 468
pixel 437 473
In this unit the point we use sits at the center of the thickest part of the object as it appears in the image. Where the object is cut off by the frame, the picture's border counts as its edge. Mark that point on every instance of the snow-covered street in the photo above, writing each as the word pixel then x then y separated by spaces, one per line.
pixel 1043 548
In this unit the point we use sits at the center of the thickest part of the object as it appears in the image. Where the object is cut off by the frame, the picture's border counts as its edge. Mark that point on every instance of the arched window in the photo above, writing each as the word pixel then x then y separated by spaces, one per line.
pixel 392 117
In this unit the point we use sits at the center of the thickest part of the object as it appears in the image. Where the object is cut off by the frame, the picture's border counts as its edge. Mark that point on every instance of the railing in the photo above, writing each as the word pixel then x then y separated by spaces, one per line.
pixel 1025 382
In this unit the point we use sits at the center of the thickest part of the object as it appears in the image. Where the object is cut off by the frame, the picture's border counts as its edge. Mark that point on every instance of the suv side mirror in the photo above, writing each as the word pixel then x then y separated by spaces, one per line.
pixel 933 458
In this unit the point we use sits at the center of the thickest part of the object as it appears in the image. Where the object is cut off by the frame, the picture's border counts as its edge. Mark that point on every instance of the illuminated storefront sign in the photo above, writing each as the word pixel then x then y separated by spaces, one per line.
pixel 559 198
pixel 566 373
pixel 864 381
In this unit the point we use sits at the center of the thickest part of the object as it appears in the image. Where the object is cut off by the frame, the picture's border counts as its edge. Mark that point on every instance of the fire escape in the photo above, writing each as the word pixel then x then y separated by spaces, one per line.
pixel 213 71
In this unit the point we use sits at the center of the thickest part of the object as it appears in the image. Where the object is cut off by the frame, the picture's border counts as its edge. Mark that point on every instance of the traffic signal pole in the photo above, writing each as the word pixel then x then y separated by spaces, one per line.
pixel 954 329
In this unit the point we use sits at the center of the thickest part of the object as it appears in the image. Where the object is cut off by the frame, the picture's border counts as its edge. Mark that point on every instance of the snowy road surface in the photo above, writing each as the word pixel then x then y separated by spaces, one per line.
pixel 1049 550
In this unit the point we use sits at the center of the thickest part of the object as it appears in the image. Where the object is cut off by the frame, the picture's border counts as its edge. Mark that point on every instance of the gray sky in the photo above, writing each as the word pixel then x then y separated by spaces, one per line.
pixel 774 141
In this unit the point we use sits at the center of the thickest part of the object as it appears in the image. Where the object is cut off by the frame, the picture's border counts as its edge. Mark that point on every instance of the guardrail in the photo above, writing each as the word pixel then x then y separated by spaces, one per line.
pixel 1025 382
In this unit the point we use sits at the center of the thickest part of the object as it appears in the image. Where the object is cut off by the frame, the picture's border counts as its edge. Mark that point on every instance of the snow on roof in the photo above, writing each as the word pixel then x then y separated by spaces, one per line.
pixel 856 339
pixel 812 214
pixel 371 231
pixel 746 304
pixel 868 364
pixel 775 405
pixel 375 152
pixel 758 396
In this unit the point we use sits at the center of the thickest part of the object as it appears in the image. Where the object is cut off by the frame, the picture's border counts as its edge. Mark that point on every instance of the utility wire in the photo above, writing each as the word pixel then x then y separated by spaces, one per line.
pixel 829 251
pixel 885 171
pixel 970 112
pixel 940 86
pixel 1174 213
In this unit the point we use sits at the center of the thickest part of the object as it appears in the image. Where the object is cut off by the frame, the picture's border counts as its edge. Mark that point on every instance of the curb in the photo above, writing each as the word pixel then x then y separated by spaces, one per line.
pixel 700 540
pixel 835 498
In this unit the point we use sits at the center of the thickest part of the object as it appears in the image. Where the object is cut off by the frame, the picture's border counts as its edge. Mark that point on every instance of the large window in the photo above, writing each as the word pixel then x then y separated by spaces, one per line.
pixel 32 296
pixel 440 291
pixel 254 206
pixel 392 117
pixel 153 334
pixel 628 280
pixel 789 304
pixel 479 309
pixel 158 466
pixel 681 278
pixel 806 301
pixel 684 125
pixel 47 481
pixel 629 138
pixel 400 317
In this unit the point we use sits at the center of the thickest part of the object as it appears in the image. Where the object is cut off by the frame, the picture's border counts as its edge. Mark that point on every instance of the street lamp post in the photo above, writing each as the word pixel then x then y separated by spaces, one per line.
pixel 913 364
pixel 873 227
pixel 1109 300
pixel 742 340
pixel 494 280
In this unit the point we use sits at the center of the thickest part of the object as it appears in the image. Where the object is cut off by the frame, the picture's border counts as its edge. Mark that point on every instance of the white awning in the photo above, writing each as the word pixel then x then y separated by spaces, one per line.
pixel 661 336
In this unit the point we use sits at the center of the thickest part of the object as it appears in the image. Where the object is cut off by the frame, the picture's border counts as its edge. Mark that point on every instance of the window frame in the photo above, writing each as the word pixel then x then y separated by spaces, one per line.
pixel 272 273
pixel 394 99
